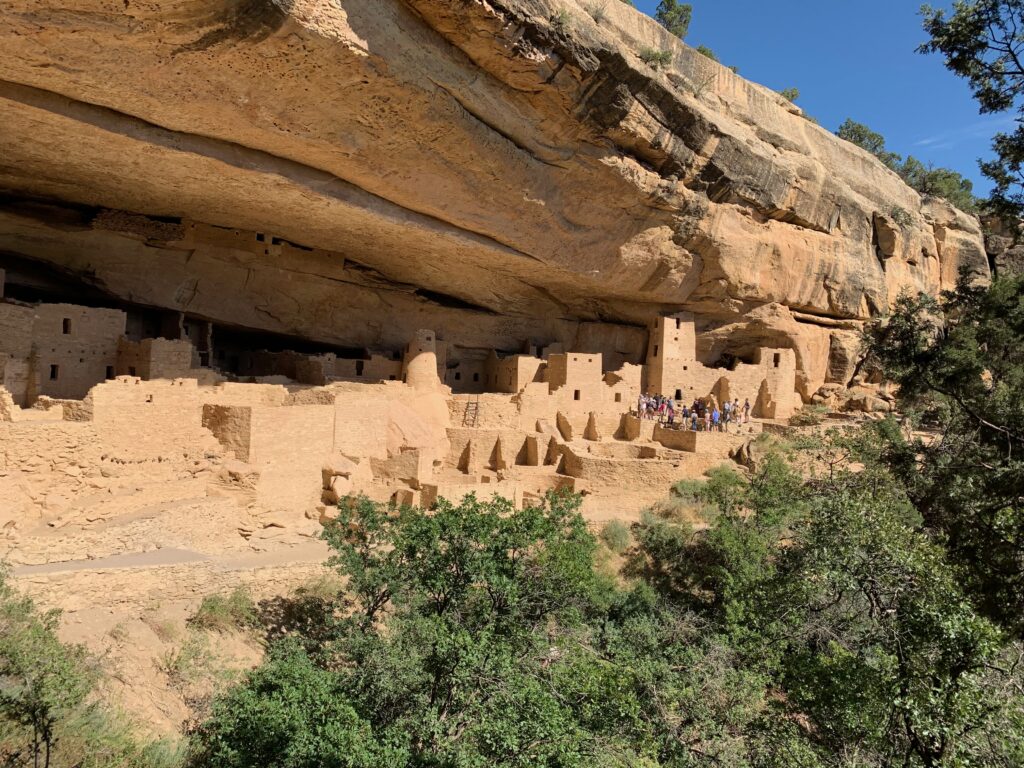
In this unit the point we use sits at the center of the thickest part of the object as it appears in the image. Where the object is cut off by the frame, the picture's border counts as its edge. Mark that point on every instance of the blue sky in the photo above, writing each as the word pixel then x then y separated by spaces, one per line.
pixel 853 58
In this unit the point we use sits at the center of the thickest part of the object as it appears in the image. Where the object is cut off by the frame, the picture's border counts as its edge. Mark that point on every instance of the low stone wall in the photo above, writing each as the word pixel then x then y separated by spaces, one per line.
pixel 599 472
pixel 715 443
pixel 634 428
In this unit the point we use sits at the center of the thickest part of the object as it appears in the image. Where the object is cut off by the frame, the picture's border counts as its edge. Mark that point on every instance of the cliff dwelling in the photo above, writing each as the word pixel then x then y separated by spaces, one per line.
pixel 407 424
pixel 410 249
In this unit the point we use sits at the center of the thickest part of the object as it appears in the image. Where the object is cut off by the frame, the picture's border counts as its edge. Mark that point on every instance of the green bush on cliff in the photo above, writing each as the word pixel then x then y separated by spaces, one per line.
pixel 47 715
pixel 655 58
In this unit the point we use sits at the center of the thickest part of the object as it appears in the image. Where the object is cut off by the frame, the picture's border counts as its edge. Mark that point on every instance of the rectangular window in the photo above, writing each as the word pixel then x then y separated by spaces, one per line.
pixel 54 372
pixel 476 377
pixel 679 323
pixel 576 394
pixel 777 359
pixel 458 376
pixel 618 397
pixel 131 370
pixel 66 325
pixel 655 350
pixel 110 372
pixel 359 367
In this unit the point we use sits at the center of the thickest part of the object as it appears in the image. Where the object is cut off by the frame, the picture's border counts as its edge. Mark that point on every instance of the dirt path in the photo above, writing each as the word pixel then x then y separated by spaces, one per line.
pixel 312 552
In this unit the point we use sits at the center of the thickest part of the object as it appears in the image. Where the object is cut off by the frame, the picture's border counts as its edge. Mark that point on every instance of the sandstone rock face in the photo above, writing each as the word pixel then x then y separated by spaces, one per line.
pixel 1005 247
pixel 350 172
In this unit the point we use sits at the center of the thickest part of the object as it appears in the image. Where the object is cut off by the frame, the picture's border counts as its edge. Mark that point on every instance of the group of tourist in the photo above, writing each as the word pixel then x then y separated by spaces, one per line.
pixel 656 407
pixel 699 416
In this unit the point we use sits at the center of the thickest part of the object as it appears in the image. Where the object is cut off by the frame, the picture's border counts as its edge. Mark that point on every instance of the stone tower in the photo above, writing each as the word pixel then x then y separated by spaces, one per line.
pixel 671 352
pixel 420 364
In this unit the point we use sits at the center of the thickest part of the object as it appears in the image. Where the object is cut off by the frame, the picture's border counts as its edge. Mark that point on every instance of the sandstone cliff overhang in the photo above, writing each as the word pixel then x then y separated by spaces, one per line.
pixel 350 171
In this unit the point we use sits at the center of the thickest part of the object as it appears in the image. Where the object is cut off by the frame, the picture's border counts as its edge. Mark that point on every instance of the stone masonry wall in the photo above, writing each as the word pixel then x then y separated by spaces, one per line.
pixel 75 347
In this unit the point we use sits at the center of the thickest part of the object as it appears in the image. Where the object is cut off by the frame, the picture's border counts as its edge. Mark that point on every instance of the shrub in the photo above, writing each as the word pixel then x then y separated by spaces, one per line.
pixel 560 20
pixel 689 490
pixel 47 713
pixel 616 536
pixel 288 712
pixel 189 663
pixel 222 613
pixel 811 416
pixel 900 216
pixel 597 12
pixel 790 94
pixel 703 50
pixel 655 58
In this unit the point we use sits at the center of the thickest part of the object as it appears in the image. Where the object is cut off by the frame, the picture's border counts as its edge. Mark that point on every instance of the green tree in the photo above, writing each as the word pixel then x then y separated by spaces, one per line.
pixel 883 650
pixel 675 17
pixel 790 94
pixel 865 138
pixel 939 182
pixel 703 50
pixel 960 360
pixel 289 714
pixel 983 41
pixel 830 592
pixel 455 622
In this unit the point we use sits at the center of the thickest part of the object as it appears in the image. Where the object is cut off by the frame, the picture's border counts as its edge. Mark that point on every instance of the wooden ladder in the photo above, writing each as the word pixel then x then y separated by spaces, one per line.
pixel 472 413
